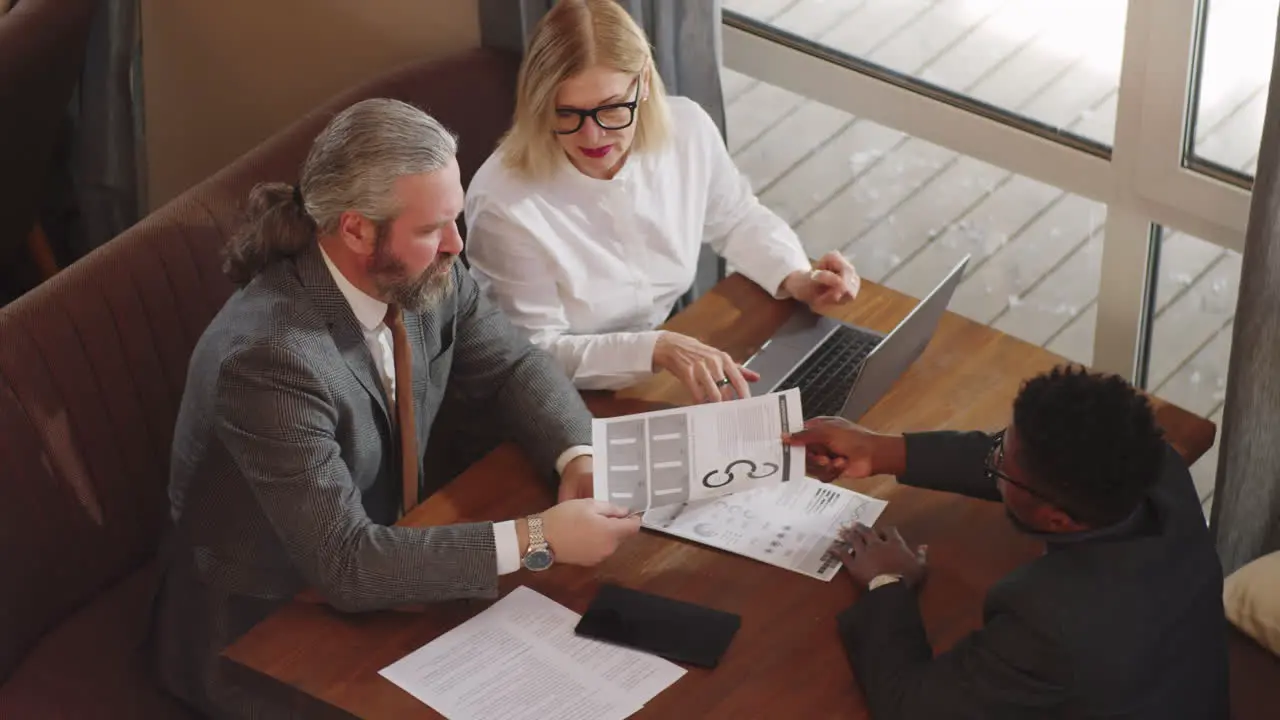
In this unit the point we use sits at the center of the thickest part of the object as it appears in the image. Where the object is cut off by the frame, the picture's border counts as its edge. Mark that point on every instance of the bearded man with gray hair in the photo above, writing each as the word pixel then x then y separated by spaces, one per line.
pixel 310 397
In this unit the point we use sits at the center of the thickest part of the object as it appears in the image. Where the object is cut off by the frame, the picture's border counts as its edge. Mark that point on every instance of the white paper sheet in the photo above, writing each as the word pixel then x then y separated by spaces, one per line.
pixel 669 457
pixel 792 526
pixel 519 659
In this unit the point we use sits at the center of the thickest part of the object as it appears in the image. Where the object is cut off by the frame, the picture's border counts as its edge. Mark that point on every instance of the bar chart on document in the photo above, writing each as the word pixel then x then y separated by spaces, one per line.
pixel 682 455
pixel 720 475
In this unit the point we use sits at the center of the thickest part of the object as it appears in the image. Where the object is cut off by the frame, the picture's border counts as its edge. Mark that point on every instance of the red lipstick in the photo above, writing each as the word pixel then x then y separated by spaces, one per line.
pixel 596 152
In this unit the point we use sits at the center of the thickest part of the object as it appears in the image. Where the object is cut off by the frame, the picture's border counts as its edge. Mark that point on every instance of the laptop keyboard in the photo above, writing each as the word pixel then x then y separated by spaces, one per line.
pixel 826 376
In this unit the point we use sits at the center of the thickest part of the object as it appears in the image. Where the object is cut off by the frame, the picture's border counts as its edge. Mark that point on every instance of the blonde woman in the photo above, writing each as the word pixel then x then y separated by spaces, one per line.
pixel 586 223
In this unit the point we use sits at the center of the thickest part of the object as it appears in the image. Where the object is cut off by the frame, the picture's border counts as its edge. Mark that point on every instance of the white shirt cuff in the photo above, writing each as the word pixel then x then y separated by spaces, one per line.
pixel 642 351
pixel 771 279
pixel 568 456
pixel 507 545
pixel 607 361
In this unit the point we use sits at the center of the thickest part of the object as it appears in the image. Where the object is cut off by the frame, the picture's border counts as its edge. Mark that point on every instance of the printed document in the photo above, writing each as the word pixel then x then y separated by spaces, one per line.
pixel 519 659
pixel 683 455
pixel 792 526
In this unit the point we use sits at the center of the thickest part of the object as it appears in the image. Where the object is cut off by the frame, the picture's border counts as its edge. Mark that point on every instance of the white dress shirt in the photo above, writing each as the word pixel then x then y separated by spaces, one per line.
pixel 371 313
pixel 588 268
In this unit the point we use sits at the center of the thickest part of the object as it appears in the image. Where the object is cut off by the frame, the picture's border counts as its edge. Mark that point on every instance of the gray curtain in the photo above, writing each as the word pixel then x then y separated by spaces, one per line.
pixel 1246 503
pixel 685 35
pixel 106 163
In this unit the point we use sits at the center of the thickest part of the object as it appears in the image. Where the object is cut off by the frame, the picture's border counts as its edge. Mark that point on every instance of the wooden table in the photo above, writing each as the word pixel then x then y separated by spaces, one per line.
pixel 786 660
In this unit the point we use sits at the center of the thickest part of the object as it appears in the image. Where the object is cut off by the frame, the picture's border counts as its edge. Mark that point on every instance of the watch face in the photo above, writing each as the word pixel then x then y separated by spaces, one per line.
pixel 538 560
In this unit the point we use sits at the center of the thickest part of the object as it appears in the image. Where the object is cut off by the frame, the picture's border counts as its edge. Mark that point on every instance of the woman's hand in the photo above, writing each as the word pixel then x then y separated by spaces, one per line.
pixel 832 281
pixel 709 374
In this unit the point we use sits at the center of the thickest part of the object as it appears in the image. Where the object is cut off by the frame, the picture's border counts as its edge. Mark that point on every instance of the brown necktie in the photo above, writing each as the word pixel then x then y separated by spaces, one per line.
pixel 404 407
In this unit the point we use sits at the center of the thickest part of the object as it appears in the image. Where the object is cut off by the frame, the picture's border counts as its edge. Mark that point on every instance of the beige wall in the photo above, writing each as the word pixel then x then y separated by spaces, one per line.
pixel 222 76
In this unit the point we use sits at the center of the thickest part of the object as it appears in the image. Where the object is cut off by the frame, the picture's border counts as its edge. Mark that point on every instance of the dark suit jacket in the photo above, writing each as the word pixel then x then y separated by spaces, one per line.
pixel 285 466
pixel 1126 622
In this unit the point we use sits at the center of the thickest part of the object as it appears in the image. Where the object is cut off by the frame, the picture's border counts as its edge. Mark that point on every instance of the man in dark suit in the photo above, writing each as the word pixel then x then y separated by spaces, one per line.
pixel 312 392
pixel 1120 618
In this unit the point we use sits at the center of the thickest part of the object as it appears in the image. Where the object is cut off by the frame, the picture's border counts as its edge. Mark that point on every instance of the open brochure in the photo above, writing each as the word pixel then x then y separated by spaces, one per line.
pixel 683 455
pixel 792 526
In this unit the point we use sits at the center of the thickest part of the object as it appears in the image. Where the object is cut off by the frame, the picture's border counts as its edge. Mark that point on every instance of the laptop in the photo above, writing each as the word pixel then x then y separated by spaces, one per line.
pixel 842 369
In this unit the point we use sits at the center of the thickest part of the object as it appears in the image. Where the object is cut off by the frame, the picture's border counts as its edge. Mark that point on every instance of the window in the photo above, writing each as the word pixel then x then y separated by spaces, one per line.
pixel 1052 64
pixel 905 211
pixel 1237 40
pixel 1195 302
pixel 1048 137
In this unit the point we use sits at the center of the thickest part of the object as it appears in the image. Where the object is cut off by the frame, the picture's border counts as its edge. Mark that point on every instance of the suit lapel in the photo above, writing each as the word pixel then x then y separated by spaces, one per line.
pixel 343 326
pixel 355 351
pixel 435 330
pixel 421 331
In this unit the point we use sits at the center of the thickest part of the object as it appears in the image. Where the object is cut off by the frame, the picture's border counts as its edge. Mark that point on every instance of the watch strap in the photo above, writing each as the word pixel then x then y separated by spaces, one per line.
pixel 536 539
pixel 882 580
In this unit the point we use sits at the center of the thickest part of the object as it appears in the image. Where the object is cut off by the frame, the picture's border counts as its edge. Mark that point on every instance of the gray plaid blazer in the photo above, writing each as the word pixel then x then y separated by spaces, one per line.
pixel 285 463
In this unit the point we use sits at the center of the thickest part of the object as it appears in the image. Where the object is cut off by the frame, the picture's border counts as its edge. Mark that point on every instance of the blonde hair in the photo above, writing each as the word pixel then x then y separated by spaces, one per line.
pixel 574 36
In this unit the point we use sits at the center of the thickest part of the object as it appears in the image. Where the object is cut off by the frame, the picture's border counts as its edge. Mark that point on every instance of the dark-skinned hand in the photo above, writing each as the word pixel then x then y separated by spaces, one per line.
pixel 835 447
pixel 868 553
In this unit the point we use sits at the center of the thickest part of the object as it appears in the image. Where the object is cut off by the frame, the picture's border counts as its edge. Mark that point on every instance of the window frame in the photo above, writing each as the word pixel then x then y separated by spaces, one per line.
pixel 1148 178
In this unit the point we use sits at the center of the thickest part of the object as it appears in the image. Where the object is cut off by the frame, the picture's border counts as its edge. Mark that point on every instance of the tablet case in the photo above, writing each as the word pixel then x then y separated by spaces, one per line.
pixel 676 630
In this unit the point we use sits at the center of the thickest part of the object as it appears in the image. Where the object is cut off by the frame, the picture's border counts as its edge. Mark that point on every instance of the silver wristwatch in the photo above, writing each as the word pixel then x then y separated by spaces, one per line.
pixel 538 556
pixel 882 580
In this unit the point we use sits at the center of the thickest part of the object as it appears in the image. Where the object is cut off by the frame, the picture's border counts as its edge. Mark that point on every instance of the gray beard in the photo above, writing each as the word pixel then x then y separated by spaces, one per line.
pixel 418 294
pixel 414 295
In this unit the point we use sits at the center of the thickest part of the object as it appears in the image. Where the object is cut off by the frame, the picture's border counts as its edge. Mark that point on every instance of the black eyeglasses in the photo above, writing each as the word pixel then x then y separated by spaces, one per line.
pixel 994 461
pixel 609 117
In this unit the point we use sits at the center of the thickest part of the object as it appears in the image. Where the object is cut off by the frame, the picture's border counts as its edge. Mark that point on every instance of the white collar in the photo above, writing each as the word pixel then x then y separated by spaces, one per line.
pixel 370 311
pixel 620 179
